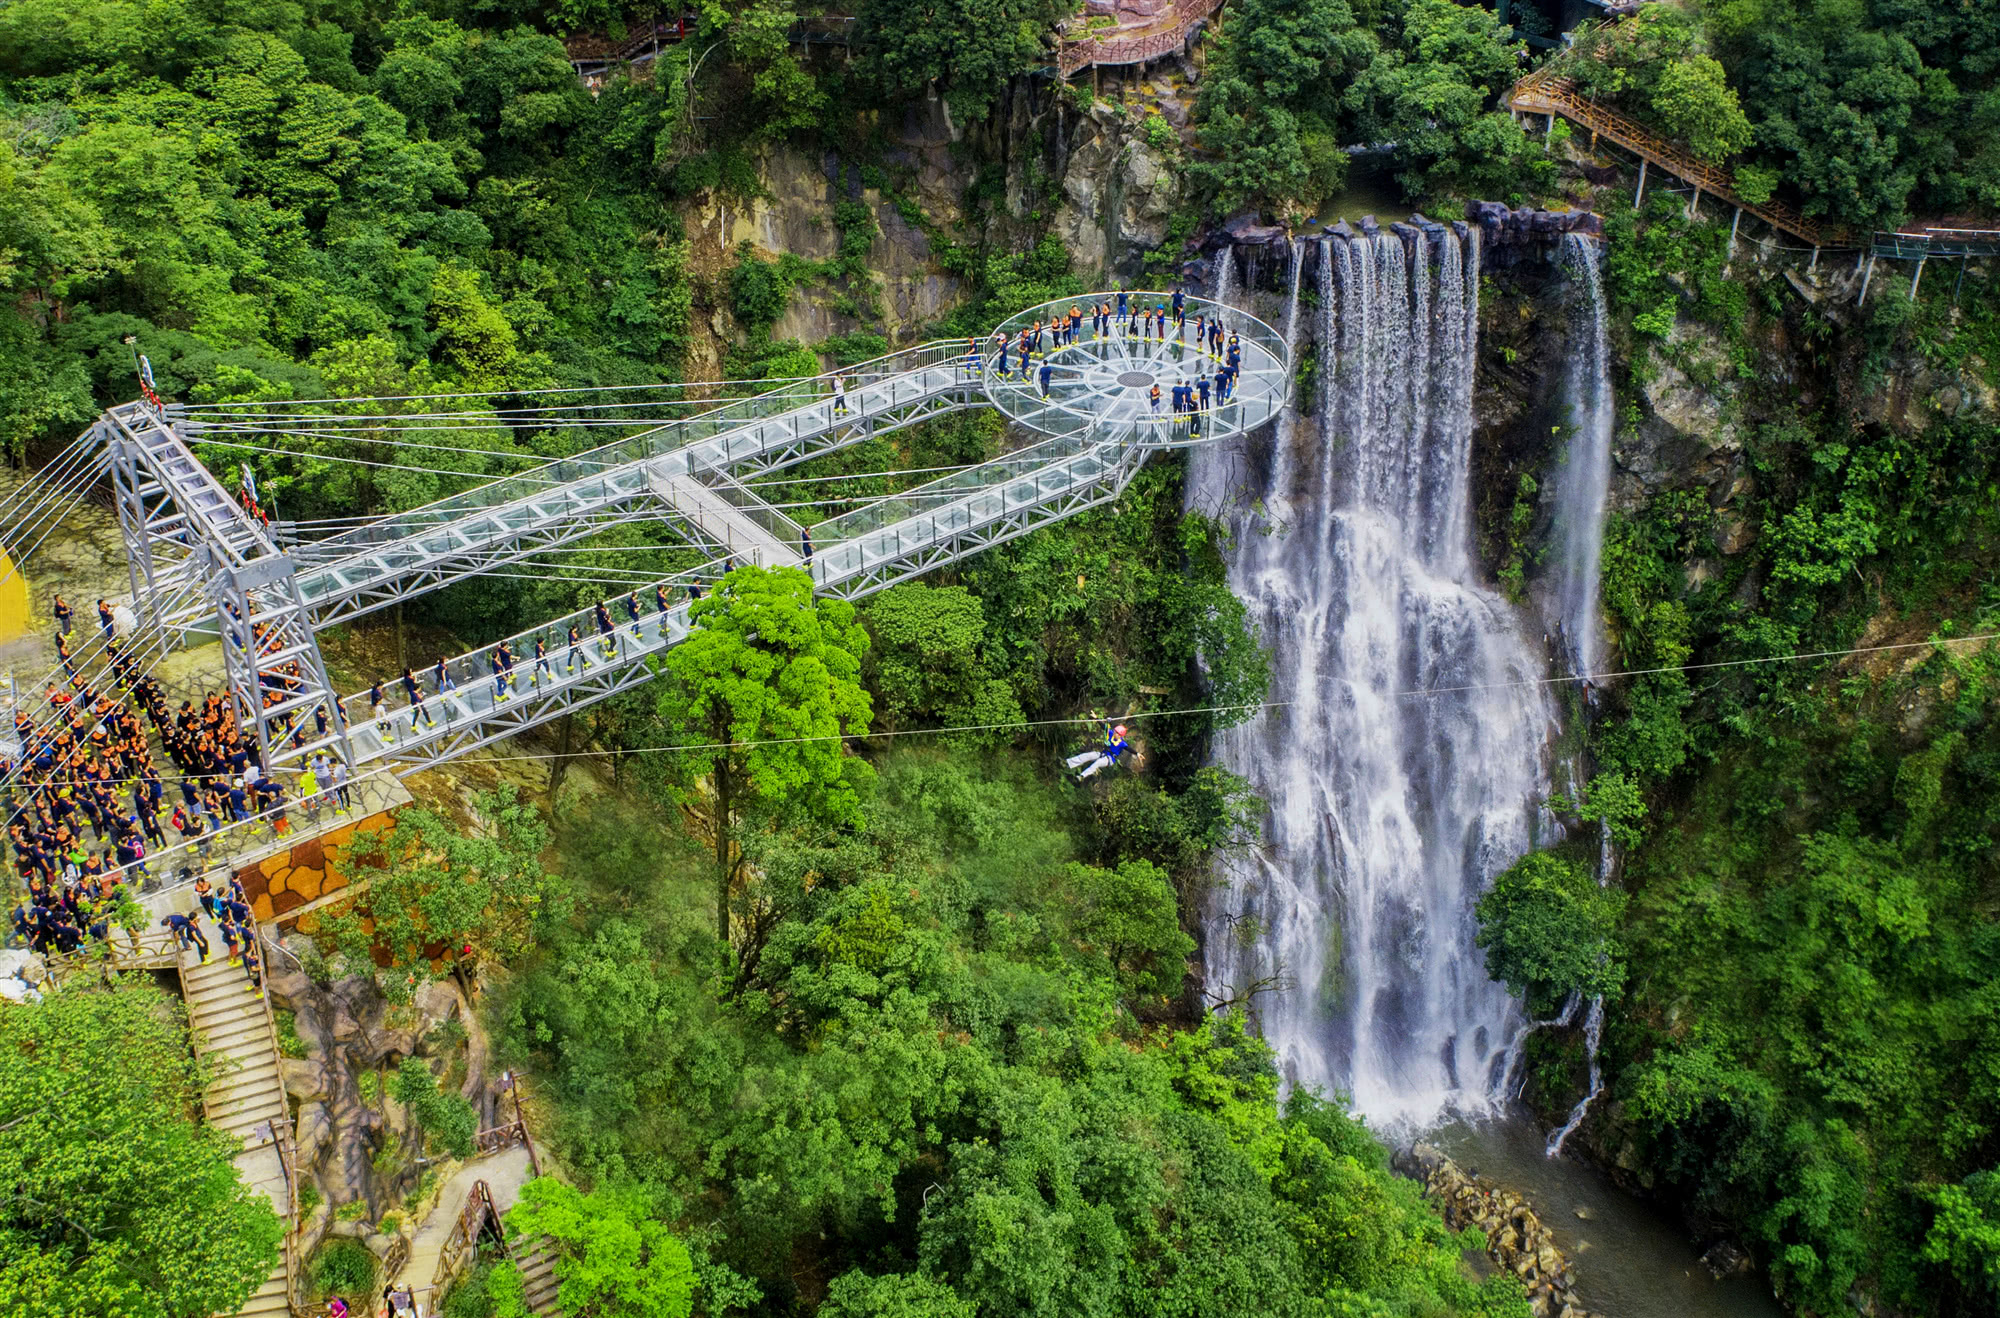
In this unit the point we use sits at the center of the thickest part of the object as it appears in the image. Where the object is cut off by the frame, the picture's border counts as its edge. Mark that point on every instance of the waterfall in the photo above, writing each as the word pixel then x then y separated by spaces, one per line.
pixel 1593 1034
pixel 1583 480
pixel 1388 811
pixel 1584 476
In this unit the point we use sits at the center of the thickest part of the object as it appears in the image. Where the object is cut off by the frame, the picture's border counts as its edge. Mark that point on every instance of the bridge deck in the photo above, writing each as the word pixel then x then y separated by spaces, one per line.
pixel 564 501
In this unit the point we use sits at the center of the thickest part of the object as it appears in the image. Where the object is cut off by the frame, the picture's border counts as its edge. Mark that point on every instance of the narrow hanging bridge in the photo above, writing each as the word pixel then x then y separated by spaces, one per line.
pixel 201 567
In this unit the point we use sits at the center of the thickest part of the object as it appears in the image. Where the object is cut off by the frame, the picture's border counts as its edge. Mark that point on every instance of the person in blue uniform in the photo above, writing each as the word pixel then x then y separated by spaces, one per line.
pixel 1099 758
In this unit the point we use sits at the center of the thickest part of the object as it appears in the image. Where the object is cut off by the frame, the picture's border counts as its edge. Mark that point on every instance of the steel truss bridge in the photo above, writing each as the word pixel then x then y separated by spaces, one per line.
pixel 201 565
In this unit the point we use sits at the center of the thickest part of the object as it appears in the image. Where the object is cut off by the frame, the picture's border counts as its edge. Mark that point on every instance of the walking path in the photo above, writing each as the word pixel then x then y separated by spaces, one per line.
pixel 1545 92
pixel 232 1030
pixel 504 1172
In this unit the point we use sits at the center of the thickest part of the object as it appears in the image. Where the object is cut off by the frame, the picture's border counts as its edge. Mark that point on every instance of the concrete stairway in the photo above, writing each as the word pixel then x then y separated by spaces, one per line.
pixel 232 1032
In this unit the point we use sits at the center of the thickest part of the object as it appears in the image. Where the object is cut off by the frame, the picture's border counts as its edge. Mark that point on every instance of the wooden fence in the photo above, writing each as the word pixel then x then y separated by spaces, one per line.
pixel 1087 52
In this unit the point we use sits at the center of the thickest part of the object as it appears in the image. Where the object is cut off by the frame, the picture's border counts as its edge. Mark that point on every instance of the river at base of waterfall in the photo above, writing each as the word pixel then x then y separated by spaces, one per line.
pixel 1630 1259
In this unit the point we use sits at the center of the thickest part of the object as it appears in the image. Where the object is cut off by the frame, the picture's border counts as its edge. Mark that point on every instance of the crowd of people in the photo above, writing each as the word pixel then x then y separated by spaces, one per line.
pixel 89 808
pixel 1016 356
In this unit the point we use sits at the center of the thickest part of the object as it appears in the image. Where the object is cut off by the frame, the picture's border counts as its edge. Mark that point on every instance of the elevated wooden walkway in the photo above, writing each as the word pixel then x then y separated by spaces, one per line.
pixel 1076 53
pixel 1544 92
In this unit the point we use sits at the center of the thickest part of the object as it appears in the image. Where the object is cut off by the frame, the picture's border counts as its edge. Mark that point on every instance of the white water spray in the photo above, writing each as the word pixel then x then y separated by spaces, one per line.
pixel 1593 1034
pixel 1387 814
pixel 1584 477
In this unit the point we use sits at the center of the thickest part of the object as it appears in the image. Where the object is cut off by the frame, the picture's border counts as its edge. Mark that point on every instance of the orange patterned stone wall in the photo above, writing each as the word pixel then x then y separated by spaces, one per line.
pixel 301 874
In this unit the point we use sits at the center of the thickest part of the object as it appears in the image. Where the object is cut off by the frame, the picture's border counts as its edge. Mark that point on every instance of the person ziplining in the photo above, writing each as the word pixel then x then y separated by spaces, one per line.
pixel 1094 761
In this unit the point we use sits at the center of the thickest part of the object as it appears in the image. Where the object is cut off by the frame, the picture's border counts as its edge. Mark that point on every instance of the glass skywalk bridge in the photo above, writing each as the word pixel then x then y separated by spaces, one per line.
pixel 1100 426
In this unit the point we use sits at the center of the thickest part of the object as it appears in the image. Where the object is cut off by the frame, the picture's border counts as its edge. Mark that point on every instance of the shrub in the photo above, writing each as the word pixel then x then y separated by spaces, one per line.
pixel 344 1267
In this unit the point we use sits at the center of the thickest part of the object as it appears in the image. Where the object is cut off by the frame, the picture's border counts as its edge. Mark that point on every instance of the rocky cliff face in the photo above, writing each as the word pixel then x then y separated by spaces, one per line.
pixel 1105 178
pixel 357 1148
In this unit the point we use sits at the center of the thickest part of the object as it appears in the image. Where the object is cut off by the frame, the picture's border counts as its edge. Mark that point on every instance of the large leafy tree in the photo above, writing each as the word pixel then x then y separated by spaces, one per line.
pixel 613 1258
pixel 112 1200
pixel 433 889
pixel 763 691
pixel 1549 931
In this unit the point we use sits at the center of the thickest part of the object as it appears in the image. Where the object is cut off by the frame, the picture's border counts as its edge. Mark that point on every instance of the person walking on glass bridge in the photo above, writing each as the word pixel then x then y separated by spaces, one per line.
pixel 1124 314
pixel 632 611
pixel 498 671
pixel 605 629
pixel 839 395
pixel 576 652
pixel 1047 371
pixel 1153 400
pixel 972 358
pixel 542 663
pixel 1001 366
pixel 1201 393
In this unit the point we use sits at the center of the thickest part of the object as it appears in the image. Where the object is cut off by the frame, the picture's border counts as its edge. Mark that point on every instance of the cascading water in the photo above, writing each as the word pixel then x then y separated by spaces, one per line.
pixel 1593 1034
pixel 1583 480
pixel 1584 476
pixel 1389 808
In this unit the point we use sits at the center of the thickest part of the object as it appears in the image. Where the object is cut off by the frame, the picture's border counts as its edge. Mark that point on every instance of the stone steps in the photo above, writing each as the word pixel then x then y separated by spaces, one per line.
pixel 537 1261
pixel 232 1031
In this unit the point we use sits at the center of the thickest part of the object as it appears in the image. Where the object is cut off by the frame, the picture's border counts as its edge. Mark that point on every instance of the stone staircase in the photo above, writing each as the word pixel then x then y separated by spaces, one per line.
pixel 537 1261
pixel 232 1031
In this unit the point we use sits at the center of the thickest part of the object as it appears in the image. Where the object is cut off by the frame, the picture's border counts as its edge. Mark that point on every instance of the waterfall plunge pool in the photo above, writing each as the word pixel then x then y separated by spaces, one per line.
pixel 1630 1259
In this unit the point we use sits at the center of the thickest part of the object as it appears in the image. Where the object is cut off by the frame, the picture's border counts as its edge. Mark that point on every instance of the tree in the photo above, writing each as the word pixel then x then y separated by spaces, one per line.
pixel 963 49
pixel 894 1295
pixel 613 1260
pixel 1695 103
pixel 765 688
pixel 1127 915
pixel 925 663
pixel 435 890
pixel 1549 931
pixel 112 1199
pixel 446 1118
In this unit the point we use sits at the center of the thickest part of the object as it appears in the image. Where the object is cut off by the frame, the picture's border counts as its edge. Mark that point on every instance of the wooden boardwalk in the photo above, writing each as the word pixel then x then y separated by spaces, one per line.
pixel 1543 92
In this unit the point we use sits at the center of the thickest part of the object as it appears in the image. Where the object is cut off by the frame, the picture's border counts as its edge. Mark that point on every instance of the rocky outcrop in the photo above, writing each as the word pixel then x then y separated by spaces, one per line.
pixel 355 1145
pixel 1507 235
pixel 1118 192
pixel 1516 1240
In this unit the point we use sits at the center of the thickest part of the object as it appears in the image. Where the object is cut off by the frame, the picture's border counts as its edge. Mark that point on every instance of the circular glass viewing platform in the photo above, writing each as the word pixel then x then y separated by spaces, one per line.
pixel 1101 381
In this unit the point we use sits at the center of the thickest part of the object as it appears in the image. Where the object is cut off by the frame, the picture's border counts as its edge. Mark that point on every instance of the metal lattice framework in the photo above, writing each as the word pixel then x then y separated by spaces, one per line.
pixel 1088 393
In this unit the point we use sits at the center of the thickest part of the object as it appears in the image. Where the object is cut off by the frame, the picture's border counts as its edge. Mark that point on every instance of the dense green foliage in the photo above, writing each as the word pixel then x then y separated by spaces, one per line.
pixel 1806 1050
pixel 763 691
pixel 445 1119
pixel 613 1258
pixel 115 1201
pixel 930 1086
pixel 1550 931
pixel 1869 111
pixel 439 892
pixel 1296 80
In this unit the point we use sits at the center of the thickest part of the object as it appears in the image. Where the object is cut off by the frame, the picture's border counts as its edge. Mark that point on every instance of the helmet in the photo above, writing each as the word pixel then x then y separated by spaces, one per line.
pixel 1119 730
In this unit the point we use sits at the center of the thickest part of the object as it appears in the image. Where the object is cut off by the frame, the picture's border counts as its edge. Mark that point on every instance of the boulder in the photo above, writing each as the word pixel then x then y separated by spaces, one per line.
pixel 313 1134
pixel 305 1080
pixel 1244 230
pixel 1726 1258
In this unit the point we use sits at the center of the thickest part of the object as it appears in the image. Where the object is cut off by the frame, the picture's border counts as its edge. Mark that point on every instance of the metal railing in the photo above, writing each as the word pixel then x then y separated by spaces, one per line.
pixel 811 395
